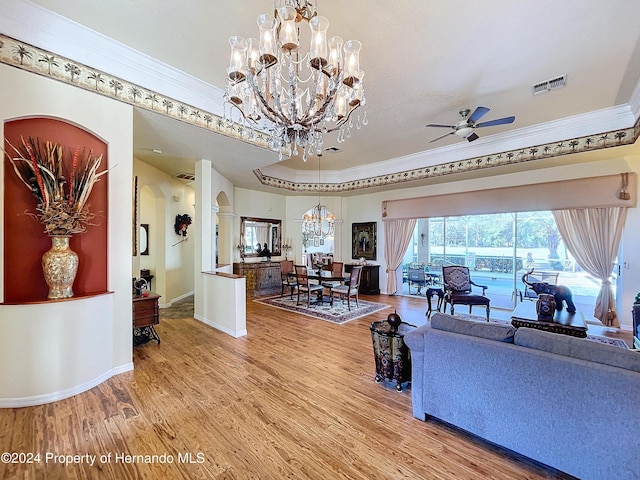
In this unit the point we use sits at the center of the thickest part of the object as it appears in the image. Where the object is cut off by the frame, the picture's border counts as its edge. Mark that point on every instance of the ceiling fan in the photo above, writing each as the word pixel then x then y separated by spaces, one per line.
pixel 465 127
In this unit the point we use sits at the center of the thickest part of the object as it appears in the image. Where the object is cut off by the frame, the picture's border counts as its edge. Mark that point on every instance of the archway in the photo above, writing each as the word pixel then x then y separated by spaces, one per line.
pixel 314 242
pixel 153 214
pixel 223 234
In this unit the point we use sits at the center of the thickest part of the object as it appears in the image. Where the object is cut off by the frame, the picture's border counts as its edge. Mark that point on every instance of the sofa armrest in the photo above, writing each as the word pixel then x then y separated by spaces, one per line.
pixel 415 339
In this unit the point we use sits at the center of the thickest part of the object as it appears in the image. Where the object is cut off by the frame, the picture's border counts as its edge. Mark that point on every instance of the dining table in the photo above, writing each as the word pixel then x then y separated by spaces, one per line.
pixel 326 276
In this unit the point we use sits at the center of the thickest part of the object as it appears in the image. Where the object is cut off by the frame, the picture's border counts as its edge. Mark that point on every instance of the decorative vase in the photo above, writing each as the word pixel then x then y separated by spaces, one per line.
pixel 546 307
pixel 60 265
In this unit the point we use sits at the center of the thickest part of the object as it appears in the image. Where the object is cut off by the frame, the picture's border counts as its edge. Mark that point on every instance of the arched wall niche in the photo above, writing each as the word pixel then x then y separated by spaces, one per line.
pixel 223 231
pixel 24 237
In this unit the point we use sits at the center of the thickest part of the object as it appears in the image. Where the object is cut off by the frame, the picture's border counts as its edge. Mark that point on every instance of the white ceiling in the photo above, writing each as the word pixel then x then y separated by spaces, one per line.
pixel 424 61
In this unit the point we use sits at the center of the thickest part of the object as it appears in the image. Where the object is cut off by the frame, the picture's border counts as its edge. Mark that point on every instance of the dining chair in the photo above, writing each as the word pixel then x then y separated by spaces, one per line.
pixel 335 271
pixel 288 277
pixel 350 290
pixel 304 286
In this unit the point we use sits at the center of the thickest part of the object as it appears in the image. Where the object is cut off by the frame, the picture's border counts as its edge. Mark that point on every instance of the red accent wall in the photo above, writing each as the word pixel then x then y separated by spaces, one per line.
pixel 24 237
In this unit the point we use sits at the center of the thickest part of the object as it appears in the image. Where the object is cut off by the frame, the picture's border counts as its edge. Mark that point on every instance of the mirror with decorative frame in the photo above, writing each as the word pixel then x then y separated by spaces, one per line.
pixel 261 231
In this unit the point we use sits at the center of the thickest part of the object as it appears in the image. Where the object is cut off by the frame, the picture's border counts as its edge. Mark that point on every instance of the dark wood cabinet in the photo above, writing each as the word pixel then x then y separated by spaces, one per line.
pixel 369 279
pixel 262 278
pixel 146 314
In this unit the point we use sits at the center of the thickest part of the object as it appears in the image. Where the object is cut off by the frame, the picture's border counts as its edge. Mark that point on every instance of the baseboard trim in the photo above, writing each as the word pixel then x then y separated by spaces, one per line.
pixel 222 328
pixel 62 394
pixel 177 299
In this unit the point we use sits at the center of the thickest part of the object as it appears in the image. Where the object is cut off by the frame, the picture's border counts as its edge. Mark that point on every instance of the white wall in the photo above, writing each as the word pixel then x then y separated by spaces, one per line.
pixel 220 298
pixel 54 350
pixel 629 280
pixel 171 262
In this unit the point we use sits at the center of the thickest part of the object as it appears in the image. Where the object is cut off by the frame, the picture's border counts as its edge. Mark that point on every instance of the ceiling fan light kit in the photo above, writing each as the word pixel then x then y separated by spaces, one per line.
pixel 295 97
pixel 465 128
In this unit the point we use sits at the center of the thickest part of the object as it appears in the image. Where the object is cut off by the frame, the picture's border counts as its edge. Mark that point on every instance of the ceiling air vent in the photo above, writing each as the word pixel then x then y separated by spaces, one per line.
pixel 186 176
pixel 332 149
pixel 548 85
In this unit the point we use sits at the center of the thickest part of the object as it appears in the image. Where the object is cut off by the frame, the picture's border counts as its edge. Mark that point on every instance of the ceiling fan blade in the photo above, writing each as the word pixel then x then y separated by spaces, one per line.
pixel 441 137
pixel 473 136
pixel 439 125
pixel 477 114
pixel 499 121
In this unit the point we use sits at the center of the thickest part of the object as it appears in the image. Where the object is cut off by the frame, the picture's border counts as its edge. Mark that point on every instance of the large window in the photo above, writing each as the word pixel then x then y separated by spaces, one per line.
pixel 499 249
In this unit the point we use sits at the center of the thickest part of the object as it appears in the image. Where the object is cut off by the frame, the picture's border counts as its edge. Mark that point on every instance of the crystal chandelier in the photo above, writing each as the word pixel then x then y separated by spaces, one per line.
pixel 320 222
pixel 293 95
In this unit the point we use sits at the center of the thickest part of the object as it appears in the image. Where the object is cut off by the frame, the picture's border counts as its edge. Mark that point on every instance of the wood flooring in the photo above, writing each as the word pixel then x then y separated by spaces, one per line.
pixel 295 398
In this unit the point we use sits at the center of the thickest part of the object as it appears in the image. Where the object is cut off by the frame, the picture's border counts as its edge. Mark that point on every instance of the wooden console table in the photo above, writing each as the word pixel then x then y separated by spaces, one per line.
pixel 369 278
pixel 563 322
pixel 263 278
pixel 145 316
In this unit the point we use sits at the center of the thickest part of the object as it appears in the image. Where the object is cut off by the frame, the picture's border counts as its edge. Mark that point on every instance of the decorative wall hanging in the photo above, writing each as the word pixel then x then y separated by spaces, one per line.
pixel 363 240
pixel 182 224
pixel 62 185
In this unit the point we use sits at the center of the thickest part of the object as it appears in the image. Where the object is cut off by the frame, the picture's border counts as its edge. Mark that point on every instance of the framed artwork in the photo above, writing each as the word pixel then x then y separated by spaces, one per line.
pixel 321 241
pixel 316 241
pixel 363 240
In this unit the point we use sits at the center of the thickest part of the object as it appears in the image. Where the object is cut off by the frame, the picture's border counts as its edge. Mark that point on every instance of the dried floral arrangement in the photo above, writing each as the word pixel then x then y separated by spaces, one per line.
pixel 62 196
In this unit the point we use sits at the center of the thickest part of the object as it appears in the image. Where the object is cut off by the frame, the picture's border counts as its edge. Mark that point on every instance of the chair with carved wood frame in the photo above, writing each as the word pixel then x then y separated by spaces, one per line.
pixel 288 277
pixel 458 289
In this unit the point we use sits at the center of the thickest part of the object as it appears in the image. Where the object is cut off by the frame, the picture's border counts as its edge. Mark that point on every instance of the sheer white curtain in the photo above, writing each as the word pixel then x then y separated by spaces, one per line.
pixel 262 234
pixel 397 234
pixel 592 235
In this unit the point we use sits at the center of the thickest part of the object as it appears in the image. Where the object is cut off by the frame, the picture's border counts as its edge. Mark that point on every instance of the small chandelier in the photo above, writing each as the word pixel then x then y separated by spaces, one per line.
pixel 295 96
pixel 320 222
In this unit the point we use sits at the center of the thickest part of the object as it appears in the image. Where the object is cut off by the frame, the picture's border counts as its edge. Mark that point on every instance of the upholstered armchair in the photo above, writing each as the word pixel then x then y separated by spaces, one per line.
pixel 458 289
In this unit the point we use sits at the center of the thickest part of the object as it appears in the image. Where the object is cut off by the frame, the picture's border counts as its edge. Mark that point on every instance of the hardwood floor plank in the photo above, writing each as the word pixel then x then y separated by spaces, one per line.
pixel 295 398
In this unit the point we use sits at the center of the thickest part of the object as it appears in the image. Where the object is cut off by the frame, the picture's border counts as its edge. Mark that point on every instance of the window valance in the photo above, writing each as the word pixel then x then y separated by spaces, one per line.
pixel 606 191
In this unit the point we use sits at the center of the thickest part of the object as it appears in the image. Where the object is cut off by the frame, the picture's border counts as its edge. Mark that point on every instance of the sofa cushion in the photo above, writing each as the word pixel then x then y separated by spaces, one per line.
pixel 580 348
pixel 489 330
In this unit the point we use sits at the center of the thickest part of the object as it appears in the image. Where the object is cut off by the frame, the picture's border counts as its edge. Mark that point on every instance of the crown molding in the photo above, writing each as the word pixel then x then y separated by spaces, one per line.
pixel 42 28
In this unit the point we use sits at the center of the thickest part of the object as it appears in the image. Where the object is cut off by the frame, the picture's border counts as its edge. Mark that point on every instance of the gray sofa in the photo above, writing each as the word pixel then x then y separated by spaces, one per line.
pixel 566 402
